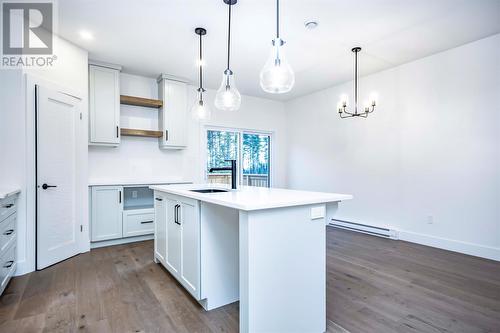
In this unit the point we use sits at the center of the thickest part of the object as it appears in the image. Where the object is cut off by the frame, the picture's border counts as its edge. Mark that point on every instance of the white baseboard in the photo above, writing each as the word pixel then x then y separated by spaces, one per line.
pixel 472 249
pixel 95 245
pixel 23 267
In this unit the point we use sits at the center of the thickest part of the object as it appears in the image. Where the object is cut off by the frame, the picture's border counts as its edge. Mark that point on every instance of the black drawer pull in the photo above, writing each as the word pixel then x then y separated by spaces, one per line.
pixel 145 222
pixel 9 232
pixel 8 206
pixel 158 199
pixel 8 264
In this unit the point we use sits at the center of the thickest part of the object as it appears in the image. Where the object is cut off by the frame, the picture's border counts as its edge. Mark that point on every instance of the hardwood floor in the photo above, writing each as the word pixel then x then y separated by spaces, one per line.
pixel 373 285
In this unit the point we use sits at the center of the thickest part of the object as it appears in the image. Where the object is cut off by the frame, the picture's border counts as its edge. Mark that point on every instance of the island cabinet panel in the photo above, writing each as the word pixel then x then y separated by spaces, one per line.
pixel 190 226
pixel 173 237
pixel 104 106
pixel 160 228
pixel 107 207
pixel 182 224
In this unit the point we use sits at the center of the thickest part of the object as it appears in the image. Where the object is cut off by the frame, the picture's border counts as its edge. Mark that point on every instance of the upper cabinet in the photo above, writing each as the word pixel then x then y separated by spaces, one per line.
pixel 104 105
pixel 173 116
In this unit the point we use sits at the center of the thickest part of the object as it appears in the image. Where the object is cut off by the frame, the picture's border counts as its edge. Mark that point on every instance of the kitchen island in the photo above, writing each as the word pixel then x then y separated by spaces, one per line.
pixel 262 246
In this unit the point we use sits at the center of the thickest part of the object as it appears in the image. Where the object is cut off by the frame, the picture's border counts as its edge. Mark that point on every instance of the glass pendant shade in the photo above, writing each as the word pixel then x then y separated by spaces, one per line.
pixel 228 97
pixel 200 109
pixel 277 76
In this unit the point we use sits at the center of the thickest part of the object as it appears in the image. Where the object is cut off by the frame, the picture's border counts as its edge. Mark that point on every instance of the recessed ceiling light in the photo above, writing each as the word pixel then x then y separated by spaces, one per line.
pixel 310 25
pixel 86 35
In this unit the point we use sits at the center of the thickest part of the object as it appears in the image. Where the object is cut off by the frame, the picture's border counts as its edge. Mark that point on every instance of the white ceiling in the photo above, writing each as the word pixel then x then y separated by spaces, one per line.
pixel 157 36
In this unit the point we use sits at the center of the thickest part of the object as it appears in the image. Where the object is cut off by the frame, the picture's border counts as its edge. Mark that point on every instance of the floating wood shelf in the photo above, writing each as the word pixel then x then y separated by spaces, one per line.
pixel 140 101
pixel 140 132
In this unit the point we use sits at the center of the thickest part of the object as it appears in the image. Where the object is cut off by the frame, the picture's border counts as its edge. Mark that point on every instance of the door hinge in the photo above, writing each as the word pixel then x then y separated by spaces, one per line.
pixel 81 228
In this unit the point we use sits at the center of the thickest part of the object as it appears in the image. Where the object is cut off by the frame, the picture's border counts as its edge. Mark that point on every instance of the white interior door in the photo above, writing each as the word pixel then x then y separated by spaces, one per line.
pixel 58 127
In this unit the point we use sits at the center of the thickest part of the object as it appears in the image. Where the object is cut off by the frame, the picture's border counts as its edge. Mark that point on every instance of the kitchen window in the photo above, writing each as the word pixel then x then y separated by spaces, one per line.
pixel 251 150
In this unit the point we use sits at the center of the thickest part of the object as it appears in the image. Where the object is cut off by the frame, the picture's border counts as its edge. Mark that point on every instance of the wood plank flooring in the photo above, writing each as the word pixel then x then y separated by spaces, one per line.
pixel 373 285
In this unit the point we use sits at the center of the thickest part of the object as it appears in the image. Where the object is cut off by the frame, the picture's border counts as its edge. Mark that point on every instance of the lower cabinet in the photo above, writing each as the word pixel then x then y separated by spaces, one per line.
pixel 107 207
pixel 8 238
pixel 160 243
pixel 120 212
pixel 177 239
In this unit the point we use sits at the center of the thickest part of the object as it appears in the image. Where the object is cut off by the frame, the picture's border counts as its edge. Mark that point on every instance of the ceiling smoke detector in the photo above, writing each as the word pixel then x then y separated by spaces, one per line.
pixel 310 25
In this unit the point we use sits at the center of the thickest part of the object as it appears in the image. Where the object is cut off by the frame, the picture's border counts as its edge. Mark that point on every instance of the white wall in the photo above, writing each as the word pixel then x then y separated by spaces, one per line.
pixel 70 73
pixel 140 159
pixel 431 151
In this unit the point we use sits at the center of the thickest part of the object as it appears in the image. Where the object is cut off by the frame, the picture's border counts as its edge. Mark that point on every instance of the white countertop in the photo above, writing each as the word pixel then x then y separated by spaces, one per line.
pixel 8 191
pixel 252 198
pixel 108 182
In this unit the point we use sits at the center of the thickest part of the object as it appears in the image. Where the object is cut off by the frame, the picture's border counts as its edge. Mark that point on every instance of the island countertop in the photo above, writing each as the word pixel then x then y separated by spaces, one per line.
pixel 249 198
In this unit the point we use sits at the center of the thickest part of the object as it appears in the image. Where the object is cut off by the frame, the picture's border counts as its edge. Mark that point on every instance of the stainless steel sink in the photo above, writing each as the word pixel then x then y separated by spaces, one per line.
pixel 210 190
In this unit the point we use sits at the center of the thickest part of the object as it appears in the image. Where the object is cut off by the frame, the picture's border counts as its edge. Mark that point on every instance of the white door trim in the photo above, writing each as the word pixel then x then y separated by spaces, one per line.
pixel 26 261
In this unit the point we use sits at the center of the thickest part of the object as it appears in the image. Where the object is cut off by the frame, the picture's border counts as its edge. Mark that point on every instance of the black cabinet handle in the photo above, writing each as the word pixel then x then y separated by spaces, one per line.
pixel 8 205
pixel 119 196
pixel 176 219
pixel 166 135
pixel 145 222
pixel 9 232
pixel 8 264
pixel 45 186
pixel 117 131
pixel 158 199
pixel 175 214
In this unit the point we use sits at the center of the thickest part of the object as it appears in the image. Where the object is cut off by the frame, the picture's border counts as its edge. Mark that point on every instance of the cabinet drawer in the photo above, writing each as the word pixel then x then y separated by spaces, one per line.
pixel 8 232
pixel 138 222
pixel 7 207
pixel 7 267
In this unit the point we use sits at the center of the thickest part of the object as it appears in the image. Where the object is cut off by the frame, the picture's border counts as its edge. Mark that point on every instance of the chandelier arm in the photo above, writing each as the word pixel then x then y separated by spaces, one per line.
pixel 345 111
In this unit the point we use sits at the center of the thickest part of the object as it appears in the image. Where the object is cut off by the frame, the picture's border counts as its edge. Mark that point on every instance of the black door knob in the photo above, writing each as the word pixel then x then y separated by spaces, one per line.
pixel 45 186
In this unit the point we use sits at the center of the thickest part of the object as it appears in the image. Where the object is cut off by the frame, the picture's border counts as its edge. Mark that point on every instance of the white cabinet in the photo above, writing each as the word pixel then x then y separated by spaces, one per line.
pixel 173 116
pixel 189 218
pixel 138 222
pixel 182 223
pixel 8 237
pixel 160 228
pixel 107 207
pixel 173 236
pixel 121 214
pixel 104 106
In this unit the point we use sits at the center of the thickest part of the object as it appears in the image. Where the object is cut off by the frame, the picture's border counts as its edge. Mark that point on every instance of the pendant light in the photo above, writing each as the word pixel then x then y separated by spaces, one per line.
pixel 200 109
pixel 277 76
pixel 368 107
pixel 228 98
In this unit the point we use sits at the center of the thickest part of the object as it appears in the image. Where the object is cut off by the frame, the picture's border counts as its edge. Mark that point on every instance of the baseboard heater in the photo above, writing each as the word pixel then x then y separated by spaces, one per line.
pixel 364 228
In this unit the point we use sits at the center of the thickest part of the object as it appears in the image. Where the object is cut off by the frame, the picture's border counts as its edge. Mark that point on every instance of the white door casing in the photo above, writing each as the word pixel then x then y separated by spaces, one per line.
pixel 59 124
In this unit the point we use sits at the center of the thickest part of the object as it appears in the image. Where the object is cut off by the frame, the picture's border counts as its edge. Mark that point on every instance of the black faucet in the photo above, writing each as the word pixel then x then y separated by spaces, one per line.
pixel 232 168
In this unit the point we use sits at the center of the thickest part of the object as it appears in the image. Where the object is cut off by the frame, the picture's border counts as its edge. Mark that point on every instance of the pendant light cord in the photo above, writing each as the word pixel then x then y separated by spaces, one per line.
pixel 229 37
pixel 277 18
pixel 201 70
pixel 356 82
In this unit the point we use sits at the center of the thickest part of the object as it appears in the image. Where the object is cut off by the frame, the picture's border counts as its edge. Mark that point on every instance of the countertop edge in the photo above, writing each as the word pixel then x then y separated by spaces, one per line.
pixel 4 193
pixel 134 183
pixel 252 207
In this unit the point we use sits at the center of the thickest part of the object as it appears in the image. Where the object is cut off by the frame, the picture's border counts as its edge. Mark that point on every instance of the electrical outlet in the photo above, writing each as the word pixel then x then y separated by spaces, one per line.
pixel 134 194
pixel 430 219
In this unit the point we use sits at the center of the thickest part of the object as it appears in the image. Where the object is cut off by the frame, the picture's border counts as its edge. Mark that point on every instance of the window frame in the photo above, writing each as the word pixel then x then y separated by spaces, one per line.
pixel 239 132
